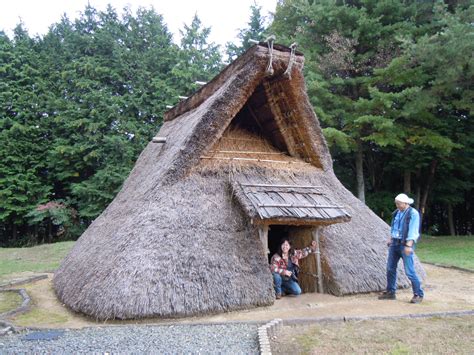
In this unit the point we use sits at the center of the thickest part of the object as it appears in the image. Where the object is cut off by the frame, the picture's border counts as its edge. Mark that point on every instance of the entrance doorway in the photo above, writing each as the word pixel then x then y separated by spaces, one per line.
pixel 299 237
pixel 275 234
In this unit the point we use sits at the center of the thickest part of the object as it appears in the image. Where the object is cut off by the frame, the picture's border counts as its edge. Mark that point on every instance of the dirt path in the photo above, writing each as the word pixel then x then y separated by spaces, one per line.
pixel 446 290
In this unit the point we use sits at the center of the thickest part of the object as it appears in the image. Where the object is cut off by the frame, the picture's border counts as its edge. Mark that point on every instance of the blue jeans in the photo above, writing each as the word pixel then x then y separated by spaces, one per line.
pixel 395 252
pixel 288 285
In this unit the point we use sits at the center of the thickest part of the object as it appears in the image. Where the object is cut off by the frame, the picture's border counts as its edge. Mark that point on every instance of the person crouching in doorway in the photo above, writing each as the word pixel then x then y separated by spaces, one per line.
pixel 404 235
pixel 284 266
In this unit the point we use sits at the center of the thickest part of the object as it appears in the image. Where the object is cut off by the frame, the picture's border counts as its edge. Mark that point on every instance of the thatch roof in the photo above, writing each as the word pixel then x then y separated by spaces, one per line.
pixel 181 237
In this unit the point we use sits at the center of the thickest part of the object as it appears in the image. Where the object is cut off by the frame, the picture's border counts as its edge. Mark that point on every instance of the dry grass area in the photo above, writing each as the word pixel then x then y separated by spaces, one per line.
pixel 46 311
pixel 38 317
pixel 9 301
pixel 448 290
pixel 453 335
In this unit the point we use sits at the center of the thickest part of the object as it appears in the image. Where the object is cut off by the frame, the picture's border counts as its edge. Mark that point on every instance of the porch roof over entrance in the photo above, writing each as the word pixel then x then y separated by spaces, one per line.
pixel 289 204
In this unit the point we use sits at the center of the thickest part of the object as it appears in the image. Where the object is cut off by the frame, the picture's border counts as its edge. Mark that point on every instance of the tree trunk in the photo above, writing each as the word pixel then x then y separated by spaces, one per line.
pixel 452 230
pixel 407 182
pixel 14 232
pixel 50 231
pixel 429 182
pixel 418 189
pixel 360 174
pixel 35 233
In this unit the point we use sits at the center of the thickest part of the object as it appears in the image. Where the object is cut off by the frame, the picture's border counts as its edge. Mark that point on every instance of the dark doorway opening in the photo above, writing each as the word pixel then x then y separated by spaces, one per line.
pixel 275 234
pixel 257 117
pixel 299 237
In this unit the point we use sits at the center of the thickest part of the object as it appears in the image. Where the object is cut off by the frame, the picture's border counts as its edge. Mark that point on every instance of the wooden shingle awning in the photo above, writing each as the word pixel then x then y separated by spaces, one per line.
pixel 289 204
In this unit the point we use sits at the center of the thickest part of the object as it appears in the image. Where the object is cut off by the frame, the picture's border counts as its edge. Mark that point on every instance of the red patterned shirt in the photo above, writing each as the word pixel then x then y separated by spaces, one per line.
pixel 278 264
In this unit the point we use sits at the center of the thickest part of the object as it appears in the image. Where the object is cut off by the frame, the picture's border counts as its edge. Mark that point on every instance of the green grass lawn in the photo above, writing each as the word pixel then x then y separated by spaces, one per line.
pixel 447 250
pixel 40 258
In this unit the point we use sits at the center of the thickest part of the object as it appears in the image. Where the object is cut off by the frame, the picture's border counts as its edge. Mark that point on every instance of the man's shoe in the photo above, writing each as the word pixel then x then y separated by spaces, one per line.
pixel 416 299
pixel 387 296
pixel 278 296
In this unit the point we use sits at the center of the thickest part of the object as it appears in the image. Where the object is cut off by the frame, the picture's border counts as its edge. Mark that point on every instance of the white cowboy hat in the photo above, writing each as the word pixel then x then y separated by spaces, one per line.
pixel 404 198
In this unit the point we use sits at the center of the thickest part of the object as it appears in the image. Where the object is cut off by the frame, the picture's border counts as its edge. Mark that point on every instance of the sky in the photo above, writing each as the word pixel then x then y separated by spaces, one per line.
pixel 225 17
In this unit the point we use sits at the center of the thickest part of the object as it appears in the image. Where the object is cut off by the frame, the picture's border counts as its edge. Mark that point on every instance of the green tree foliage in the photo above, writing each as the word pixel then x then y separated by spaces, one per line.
pixel 78 106
pixel 59 219
pixel 198 60
pixel 24 134
pixel 345 42
pixel 255 30
pixel 107 108
pixel 389 81
pixel 439 133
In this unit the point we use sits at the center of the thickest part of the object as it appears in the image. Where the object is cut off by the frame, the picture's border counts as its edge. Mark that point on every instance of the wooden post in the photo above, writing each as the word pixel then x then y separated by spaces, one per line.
pixel 159 140
pixel 319 278
pixel 263 234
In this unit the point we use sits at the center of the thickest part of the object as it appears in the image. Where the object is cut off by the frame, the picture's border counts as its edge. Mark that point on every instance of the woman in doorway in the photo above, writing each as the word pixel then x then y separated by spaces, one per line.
pixel 285 266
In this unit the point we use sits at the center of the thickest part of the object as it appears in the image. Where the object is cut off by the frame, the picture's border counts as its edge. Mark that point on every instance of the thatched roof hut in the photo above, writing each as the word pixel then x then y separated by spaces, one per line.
pixel 240 164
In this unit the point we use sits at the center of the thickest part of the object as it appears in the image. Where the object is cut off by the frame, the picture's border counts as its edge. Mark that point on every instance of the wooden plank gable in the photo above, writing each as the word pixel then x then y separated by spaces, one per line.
pixel 281 202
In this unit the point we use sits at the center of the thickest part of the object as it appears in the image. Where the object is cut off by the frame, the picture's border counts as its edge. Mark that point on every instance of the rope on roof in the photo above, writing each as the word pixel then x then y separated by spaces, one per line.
pixel 292 60
pixel 269 71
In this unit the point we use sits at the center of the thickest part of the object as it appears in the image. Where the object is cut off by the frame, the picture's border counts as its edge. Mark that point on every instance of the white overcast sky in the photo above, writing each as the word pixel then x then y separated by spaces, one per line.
pixel 225 17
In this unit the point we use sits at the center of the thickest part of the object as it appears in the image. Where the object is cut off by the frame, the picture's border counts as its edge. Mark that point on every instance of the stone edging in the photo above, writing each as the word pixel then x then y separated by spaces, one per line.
pixel 23 281
pixel 8 328
pixel 265 332
pixel 300 321
pixel 24 305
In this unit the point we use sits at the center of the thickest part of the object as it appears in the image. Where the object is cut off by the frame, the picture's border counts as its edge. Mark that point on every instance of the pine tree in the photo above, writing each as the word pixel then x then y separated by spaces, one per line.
pixel 24 136
pixel 434 118
pixel 198 60
pixel 380 80
pixel 344 43
pixel 255 30
pixel 113 90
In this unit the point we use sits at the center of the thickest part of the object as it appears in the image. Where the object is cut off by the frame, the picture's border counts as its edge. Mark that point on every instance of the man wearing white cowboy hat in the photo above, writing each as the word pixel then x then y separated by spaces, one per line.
pixel 404 234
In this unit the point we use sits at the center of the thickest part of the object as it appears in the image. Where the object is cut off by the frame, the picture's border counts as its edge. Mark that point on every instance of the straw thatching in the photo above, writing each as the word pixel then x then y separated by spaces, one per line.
pixel 182 236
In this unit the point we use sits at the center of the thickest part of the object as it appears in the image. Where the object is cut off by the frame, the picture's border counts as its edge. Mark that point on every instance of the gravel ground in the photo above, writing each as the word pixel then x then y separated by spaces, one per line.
pixel 172 339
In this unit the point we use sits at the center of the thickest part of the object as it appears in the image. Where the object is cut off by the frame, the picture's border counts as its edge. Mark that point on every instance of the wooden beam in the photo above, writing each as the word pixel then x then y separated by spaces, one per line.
pixel 257 120
pixel 159 140
pixel 279 190
pixel 283 186
pixel 286 205
pixel 263 234
pixel 245 152
pixel 319 278
pixel 243 139
pixel 258 160
pixel 275 99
